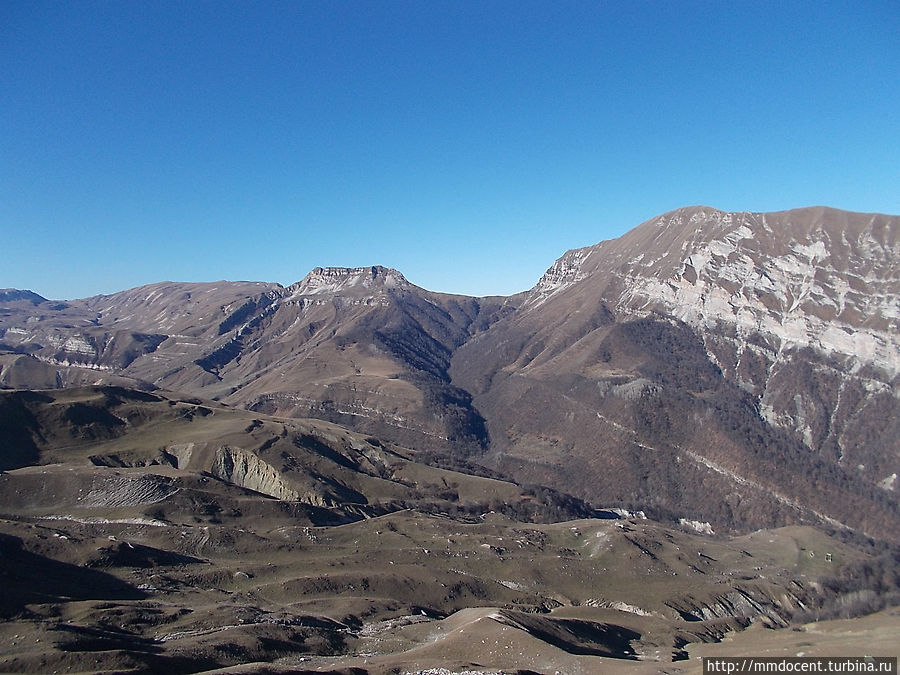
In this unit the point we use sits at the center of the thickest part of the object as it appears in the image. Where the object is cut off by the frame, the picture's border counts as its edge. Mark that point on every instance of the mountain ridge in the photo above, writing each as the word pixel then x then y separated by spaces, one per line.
pixel 777 329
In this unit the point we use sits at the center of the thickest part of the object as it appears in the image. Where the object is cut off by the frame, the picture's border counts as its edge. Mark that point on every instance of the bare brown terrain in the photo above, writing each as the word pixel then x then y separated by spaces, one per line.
pixel 143 532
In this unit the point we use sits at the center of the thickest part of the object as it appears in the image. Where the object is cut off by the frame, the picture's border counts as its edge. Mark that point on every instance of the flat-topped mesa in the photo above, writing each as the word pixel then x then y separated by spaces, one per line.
pixel 369 280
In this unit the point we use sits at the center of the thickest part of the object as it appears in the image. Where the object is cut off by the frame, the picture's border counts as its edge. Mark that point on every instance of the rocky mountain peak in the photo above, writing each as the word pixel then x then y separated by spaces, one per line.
pixel 349 280
pixel 559 276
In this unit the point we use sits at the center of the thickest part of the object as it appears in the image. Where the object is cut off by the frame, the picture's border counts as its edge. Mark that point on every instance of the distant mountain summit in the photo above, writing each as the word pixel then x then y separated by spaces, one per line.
pixel 359 281
pixel 16 295
pixel 736 369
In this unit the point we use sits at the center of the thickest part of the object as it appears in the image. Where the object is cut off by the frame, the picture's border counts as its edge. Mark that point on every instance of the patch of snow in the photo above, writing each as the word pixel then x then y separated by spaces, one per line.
pixel 77 344
pixel 888 483
pixel 622 607
pixel 624 513
pixel 109 521
pixel 697 526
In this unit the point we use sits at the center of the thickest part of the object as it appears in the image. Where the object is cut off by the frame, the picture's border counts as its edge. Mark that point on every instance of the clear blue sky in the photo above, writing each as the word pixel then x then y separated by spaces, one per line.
pixel 468 144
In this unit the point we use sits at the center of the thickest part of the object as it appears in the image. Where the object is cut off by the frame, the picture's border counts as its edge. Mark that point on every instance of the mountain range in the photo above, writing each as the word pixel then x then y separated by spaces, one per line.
pixel 732 371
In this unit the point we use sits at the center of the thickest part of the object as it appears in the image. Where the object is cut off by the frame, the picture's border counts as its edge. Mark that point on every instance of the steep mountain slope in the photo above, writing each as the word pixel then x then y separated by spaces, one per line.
pixel 731 368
